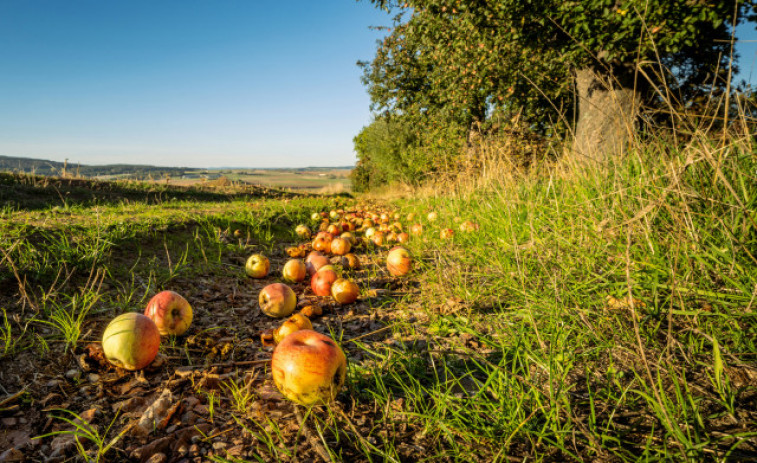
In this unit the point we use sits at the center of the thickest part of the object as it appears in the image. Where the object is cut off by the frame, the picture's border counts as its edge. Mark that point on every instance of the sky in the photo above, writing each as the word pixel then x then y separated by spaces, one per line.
pixel 193 83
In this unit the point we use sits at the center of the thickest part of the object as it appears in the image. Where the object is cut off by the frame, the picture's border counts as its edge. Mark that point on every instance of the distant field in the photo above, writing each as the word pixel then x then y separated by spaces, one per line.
pixel 328 180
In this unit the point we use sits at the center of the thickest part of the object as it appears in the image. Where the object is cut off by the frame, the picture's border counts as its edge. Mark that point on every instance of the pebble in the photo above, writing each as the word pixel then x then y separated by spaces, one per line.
pixel 93 377
pixel 73 373
pixel 157 458
pixel 219 445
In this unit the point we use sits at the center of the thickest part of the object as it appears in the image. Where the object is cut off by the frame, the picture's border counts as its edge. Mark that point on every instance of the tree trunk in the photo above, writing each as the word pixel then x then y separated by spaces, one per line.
pixel 607 112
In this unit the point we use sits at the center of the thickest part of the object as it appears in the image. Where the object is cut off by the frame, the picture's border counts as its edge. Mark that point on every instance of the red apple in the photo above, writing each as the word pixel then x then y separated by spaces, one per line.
pixel 398 261
pixel 294 323
pixel 131 341
pixel 315 261
pixel 345 291
pixel 416 229
pixel 277 300
pixel 403 237
pixel 171 313
pixel 294 271
pixel 322 242
pixel 308 368
pixel 257 266
pixel 446 233
pixel 340 246
pixel 334 229
pixel 322 280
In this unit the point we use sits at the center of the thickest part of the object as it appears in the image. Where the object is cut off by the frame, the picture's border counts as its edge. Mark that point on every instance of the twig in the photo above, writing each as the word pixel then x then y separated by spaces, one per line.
pixel 13 397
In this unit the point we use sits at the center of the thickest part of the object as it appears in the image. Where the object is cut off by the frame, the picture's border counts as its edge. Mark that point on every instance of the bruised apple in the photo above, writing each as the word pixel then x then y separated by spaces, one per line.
pixel 308 368
pixel 257 266
pixel 303 231
pixel 345 291
pixel 277 300
pixel 314 261
pixel 294 323
pixel 322 242
pixel 416 229
pixel 322 280
pixel 446 233
pixel 350 261
pixel 398 261
pixel 131 341
pixel 340 246
pixel 294 271
pixel 171 313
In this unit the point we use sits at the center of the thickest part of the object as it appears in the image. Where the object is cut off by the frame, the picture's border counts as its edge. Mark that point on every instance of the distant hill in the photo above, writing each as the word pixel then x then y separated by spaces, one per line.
pixel 126 171
pixel 45 167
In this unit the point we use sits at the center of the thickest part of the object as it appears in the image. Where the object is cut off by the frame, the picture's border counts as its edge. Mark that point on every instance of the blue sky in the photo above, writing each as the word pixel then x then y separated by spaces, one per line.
pixel 195 83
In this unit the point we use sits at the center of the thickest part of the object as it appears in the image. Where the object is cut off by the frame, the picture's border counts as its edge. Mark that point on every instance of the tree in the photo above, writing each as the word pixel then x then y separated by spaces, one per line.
pixel 568 67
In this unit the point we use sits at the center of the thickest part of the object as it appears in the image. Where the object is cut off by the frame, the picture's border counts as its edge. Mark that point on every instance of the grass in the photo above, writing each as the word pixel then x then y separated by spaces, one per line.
pixel 602 314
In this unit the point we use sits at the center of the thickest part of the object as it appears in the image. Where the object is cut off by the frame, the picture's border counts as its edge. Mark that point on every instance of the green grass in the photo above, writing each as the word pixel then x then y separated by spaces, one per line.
pixel 597 314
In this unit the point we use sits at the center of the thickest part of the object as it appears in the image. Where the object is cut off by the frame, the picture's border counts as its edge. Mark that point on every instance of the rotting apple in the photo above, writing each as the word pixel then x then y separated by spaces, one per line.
pixel 303 231
pixel 468 226
pixel 350 261
pixel 257 266
pixel 308 368
pixel 277 300
pixel 171 313
pixel 322 242
pixel 312 311
pixel 345 291
pixel 446 233
pixel 340 246
pixel 416 229
pixel 315 261
pixel 294 271
pixel 398 261
pixel 294 323
pixel 322 280
pixel 131 341
pixel 403 237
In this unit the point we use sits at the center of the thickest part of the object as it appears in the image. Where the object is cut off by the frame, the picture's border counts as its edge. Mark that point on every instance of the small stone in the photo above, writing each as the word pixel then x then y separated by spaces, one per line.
pixel 219 445
pixel 9 422
pixel 93 377
pixel 73 373
pixel 194 450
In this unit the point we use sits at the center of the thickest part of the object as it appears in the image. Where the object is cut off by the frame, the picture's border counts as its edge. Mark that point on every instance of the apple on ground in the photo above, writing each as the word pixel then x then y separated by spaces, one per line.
pixel 350 261
pixel 432 216
pixel 411 217
pixel 308 368
pixel 416 229
pixel 312 311
pixel 277 300
pixel 340 246
pixel 334 229
pixel 468 227
pixel 314 261
pixel 322 280
pixel 315 216
pixel 446 233
pixel 322 242
pixel 294 323
pixel 171 313
pixel 378 238
pixel 398 261
pixel 345 291
pixel 257 266
pixel 369 232
pixel 294 271
pixel 403 237
pixel 303 231
pixel 131 341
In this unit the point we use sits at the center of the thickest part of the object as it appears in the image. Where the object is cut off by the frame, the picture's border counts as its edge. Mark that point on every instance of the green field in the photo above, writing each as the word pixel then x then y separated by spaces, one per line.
pixel 593 315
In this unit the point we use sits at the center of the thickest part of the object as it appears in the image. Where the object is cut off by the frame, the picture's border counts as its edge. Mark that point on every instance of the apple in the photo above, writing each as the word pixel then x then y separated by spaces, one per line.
pixel 315 216
pixel 416 229
pixel 315 261
pixel 294 323
pixel 340 246
pixel 322 280
pixel 294 271
pixel 432 216
pixel 323 226
pixel 411 217
pixel 403 237
pixel 350 261
pixel 277 300
pixel 345 291
pixel 257 266
pixel 446 233
pixel 303 231
pixel 468 227
pixel 238 233
pixel 398 261
pixel 378 238
pixel 311 311
pixel 334 229
pixel 369 232
pixel 334 214
pixel 322 242
pixel 131 341
pixel 308 368
pixel 171 313
pixel 296 251
pixel 349 237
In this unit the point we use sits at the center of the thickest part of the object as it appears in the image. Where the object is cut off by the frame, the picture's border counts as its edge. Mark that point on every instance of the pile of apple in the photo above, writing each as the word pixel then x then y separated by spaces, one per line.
pixel 307 367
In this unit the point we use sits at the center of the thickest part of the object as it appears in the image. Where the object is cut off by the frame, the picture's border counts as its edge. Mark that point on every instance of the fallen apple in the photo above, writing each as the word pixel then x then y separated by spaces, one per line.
pixel 446 233
pixel 312 311
pixel 257 266
pixel 322 242
pixel 277 300
pixel 416 229
pixel 294 271
pixel 131 341
pixel 314 261
pixel 350 261
pixel 294 323
pixel 403 237
pixel 345 291
pixel 322 280
pixel 468 227
pixel 303 231
pixel 398 261
pixel 340 246
pixel 308 368
pixel 171 313
pixel 432 216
